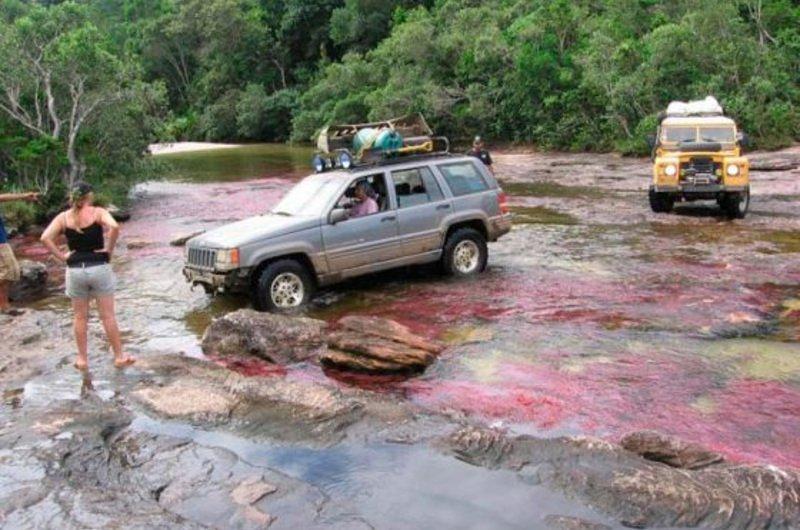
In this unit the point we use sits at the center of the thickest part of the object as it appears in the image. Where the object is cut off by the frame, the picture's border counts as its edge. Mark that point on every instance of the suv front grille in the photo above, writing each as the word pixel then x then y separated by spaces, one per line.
pixel 700 170
pixel 701 165
pixel 202 258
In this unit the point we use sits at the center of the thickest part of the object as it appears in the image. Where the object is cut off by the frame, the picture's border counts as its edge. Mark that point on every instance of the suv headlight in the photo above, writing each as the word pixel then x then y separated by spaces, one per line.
pixel 733 170
pixel 670 170
pixel 227 259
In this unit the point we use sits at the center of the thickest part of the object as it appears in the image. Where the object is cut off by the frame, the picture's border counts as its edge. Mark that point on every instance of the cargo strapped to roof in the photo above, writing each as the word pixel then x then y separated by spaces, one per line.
pixel 348 145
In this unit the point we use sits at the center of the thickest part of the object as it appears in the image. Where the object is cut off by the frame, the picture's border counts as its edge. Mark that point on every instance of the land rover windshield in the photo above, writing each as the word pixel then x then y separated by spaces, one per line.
pixel 710 133
pixel 309 197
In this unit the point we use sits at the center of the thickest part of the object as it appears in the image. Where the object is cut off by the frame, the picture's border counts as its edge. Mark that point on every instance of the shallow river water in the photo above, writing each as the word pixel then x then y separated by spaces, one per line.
pixel 595 315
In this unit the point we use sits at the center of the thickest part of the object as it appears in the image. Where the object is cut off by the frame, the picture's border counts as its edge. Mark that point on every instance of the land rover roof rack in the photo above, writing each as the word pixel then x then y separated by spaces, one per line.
pixel 347 146
pixel 698 108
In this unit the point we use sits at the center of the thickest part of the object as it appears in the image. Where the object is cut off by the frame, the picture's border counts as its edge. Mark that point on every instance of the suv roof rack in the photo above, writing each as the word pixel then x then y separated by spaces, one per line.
pixel 383 142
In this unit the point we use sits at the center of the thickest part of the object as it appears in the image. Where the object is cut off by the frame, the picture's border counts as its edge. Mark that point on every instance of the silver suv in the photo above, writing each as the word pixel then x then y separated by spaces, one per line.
pixel 438 208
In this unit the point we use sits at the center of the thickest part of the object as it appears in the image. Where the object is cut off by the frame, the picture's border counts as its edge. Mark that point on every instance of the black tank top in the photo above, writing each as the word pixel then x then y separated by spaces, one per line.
pixel 84 245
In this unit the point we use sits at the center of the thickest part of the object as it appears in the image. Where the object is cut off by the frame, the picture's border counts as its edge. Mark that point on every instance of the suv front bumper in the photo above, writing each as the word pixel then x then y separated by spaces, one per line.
pixel 214 281
pixel 690 189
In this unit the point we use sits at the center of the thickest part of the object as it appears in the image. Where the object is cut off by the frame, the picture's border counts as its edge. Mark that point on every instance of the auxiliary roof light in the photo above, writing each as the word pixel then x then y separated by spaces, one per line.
pixel 318 163
pixel 345 160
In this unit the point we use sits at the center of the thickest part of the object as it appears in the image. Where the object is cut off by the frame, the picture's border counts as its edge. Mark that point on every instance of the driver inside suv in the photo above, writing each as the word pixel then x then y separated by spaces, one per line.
pixel 366 204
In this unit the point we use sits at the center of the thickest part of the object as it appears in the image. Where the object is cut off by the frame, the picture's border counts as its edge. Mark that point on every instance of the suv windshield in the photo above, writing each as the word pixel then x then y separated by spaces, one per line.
pixel 309 197
pixel 717 134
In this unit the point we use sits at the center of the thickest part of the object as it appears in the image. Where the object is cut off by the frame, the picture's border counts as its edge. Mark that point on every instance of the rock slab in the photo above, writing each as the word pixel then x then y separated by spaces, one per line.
pixel 377 345
pixel 669 450
pixel 32 283
pixel 279 339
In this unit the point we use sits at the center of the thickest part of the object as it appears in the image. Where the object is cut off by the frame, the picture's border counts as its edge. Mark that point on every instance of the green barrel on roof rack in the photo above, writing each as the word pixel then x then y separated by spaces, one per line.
pixel 377 139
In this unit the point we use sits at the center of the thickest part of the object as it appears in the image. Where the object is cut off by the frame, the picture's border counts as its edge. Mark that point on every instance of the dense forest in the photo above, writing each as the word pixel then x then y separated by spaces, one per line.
pixel 85 86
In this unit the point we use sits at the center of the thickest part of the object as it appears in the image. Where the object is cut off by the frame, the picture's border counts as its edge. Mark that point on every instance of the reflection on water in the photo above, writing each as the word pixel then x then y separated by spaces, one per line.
pixel 238 163
pixel 595 316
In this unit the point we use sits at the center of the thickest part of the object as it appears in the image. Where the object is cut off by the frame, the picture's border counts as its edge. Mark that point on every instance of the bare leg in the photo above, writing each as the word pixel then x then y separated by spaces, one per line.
pixel 80 310
pixel 105 305
pixel 4 303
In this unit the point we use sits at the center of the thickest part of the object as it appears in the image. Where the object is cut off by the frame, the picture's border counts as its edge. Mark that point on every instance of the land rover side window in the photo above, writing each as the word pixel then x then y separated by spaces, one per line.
pixel 415 186
pixel 463 178
pixel 375 186
pixel 680 134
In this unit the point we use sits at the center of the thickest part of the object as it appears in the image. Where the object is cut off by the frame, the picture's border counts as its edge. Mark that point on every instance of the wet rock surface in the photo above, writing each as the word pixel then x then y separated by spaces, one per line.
pixel 32 283
pixel 595 317
pixel 279 339
pixel 638 492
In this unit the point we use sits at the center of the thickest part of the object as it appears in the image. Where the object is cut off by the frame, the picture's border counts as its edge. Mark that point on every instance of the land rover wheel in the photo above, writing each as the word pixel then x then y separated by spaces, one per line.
pixel 661 202
pixel 735 205
pixel 282 286
pixel 465 253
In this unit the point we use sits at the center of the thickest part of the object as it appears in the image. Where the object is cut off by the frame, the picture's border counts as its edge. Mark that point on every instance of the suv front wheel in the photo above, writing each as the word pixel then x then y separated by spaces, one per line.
pixel 282 286
pixel 736 204
pixel 465 253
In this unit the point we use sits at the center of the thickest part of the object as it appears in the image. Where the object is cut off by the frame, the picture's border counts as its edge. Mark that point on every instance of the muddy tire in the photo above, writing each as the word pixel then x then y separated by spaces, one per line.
pixel 735 205
pixel 465 253
pixel 283 286
pixel 661 202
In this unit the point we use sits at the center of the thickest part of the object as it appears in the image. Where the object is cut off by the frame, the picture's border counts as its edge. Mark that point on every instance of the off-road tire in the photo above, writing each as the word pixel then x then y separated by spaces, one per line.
pixel 661 202
pixel 735 205
pixel 456 249
pixel 288 270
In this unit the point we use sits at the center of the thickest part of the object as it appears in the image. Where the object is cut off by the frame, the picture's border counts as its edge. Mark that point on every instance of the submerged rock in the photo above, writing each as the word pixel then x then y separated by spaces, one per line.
pixel 639 492
pixel 377 345
pixel 279 339
pixel 563 522
pixel 32 283
pixel 669 450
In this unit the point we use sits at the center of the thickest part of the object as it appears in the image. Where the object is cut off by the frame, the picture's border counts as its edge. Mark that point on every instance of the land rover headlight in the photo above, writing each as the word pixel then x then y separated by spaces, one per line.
pixel 733 170
pixel 227 259
pixel 670 170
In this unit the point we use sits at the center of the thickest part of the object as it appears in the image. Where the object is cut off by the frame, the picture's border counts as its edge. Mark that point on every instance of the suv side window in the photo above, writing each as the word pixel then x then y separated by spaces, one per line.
pixel 375 187
pixel 463 178
pixel 415 186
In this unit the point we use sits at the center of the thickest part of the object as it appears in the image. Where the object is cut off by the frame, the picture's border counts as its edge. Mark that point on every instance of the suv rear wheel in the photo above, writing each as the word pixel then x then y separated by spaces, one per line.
pixel 465 253
pixel 736 204
pixel 283 286
pixel 661 202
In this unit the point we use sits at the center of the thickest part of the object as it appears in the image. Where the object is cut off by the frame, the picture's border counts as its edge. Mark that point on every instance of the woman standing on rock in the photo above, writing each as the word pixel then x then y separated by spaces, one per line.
pixel 89 274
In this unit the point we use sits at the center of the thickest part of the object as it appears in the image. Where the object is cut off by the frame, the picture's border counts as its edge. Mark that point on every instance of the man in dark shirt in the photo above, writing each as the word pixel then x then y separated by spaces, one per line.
pixel 479 151
pixel 9 268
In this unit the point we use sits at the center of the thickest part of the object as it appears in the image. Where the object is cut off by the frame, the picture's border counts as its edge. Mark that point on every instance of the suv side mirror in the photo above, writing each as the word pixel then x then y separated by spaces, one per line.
pixel 651 141
pixel 742 139
pixel 337 215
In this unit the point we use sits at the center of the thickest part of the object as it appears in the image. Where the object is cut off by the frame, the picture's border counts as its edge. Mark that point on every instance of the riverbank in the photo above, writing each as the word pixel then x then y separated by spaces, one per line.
pixel 170 148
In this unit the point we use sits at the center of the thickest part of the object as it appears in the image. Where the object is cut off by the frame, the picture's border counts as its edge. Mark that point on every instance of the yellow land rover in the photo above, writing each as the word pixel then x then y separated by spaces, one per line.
pixel 697 155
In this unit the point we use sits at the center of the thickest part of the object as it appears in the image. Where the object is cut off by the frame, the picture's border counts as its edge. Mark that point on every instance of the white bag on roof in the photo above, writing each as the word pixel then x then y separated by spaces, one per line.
pixel 708 106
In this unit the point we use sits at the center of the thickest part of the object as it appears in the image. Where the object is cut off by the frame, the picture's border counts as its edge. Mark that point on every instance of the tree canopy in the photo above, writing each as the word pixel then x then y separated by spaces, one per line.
pixel 85 85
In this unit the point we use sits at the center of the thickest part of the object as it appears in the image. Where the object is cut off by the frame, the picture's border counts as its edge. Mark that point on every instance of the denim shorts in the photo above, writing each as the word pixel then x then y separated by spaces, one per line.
pixel 90 282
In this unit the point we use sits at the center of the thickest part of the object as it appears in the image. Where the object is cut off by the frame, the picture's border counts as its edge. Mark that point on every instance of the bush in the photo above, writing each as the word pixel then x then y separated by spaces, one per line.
pixel 19 215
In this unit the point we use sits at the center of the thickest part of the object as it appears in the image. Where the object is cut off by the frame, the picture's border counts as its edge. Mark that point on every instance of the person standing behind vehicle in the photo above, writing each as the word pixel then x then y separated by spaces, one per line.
pixel 9 268
pixel 479 151
pixel 89 275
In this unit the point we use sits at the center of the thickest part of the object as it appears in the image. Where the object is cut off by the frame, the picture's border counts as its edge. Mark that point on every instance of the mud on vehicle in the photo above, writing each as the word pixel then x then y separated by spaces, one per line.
pixel 697 155
pixel 431 207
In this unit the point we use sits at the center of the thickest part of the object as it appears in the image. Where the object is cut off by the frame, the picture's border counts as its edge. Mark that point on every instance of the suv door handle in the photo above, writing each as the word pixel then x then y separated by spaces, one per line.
pixel 388 218
pixel 443 207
